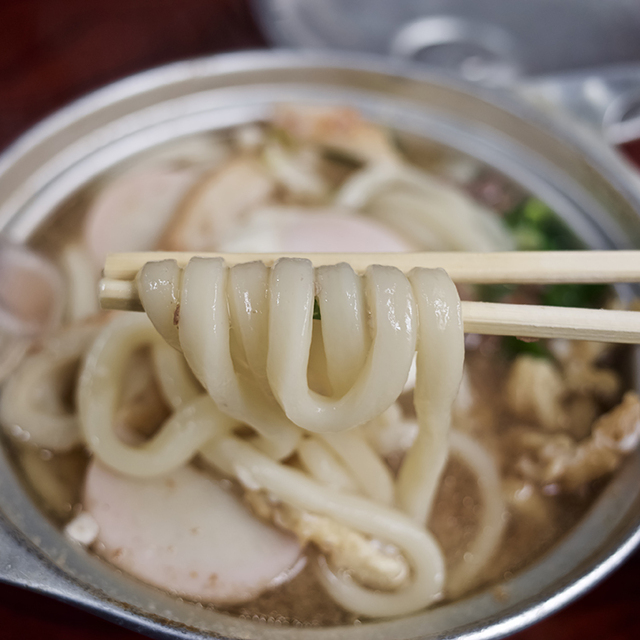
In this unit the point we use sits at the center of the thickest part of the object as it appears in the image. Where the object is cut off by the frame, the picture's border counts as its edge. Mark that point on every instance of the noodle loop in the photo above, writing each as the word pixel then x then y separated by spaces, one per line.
pixel 249 337
pixel 179 438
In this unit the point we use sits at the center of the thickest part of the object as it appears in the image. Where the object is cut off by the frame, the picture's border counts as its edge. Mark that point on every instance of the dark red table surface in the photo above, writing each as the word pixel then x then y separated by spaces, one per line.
pixel 52 51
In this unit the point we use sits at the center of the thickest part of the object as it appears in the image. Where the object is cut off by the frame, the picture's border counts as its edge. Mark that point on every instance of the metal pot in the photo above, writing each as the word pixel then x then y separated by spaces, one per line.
pixel 567 166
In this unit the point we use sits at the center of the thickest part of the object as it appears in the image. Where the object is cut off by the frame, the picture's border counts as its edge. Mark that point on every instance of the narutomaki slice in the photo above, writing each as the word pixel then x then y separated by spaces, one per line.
pixel 132 213
pixel 295 229
pixel 186 534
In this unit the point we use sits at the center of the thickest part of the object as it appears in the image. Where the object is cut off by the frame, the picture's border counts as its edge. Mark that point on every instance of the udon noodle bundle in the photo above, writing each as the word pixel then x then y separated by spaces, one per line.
pixel 247 334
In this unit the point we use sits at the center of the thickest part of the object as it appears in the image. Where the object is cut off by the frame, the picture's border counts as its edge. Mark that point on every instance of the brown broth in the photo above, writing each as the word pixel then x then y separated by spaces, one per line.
pixel 55 481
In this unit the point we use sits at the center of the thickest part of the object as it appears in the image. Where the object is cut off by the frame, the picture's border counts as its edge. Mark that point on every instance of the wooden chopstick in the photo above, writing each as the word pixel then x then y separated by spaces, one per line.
pixel 505 267
pixel 488 318
pixel 118 288
pixel 534 321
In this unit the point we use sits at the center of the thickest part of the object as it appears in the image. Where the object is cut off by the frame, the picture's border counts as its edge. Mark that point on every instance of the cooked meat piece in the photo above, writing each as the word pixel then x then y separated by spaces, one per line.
pixel 579 360
pixel 560 459
pixel 534 392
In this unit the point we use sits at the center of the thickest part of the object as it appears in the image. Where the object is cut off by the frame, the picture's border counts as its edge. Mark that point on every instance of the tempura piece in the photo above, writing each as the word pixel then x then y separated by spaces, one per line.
pixel 346 549
pixel 560 459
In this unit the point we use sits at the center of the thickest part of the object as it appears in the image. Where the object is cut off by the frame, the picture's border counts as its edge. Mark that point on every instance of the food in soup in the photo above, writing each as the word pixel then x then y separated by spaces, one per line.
pixel 268 432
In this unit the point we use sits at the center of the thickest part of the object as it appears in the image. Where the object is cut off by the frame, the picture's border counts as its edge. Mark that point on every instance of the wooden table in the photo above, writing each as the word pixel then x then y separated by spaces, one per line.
pixel 52 51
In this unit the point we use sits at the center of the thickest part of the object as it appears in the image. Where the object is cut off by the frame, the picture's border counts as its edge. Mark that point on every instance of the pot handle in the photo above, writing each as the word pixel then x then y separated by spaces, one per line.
pixel 479 51
pixel 606 98
pixel 22 565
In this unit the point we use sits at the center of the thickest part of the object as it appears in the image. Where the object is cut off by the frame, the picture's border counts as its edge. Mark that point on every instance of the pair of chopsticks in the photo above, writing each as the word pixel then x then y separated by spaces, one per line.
pixel 118 289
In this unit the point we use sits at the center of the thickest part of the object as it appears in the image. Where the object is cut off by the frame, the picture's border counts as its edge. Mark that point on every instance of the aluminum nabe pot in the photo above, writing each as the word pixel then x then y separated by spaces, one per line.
pixel 570 168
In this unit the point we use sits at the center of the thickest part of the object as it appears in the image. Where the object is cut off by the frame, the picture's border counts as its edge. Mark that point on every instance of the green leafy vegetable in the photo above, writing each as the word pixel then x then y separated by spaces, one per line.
pixel 514 347
pixel 536 227
pixel 575 295
pixel 316 309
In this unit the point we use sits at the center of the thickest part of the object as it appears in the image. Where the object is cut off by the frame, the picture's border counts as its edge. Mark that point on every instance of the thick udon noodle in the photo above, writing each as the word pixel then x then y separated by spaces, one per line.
pixel 247 333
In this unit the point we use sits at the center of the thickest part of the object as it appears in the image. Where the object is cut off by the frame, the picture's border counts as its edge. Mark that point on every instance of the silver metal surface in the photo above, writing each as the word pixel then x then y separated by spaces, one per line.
pixel 534 36
pixel 582 56
pixel 607 98
pixel 568 166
